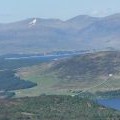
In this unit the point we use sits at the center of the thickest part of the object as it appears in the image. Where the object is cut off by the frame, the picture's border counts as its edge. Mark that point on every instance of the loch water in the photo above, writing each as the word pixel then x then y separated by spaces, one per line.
pixel 110 103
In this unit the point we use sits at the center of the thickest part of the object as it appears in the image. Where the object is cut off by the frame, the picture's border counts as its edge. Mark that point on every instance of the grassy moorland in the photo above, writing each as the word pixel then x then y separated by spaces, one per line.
pixel 54 108
pixel 88 73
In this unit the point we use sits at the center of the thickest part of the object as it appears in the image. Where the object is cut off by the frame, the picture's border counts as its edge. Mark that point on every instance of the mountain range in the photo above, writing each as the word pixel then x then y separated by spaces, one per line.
pixel 36 35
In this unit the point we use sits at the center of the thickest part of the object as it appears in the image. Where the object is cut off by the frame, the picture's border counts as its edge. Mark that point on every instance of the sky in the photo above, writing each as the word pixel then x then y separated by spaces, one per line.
pixel 14 10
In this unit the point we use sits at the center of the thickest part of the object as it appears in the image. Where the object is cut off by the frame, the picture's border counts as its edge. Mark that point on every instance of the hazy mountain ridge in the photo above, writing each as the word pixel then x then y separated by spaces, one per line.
pixel 79 33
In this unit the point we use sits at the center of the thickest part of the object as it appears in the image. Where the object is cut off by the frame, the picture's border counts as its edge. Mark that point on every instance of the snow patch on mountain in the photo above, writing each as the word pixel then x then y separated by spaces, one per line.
pixel 33 22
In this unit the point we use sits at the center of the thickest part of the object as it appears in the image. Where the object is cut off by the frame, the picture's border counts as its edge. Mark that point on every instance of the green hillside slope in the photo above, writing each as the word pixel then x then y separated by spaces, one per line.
pixel 90 72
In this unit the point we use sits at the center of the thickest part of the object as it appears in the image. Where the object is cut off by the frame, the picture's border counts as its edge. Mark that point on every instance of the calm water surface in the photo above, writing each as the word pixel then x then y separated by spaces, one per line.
pixel 111 103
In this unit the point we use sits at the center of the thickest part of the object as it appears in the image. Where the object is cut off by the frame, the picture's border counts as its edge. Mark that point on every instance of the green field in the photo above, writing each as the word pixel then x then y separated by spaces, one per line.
pixel 45 85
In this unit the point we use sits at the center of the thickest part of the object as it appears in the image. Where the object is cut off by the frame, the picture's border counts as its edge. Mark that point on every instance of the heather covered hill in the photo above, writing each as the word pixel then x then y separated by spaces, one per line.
pixel 90 72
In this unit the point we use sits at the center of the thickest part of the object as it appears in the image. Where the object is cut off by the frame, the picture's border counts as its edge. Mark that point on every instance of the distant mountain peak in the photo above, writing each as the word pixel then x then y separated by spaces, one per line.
pixel 34 35
pixel 114 16
pixel 33 22
pixel 82 17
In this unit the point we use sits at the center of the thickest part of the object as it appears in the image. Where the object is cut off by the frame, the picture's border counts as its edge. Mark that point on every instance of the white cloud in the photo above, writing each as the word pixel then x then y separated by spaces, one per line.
pixel 100 13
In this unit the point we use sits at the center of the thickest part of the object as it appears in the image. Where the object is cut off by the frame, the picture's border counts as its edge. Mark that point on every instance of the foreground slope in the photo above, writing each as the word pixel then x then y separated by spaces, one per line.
pixel 54 108
pixel 90 72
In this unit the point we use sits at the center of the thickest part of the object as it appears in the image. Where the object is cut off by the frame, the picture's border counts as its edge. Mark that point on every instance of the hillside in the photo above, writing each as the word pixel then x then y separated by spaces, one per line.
pixel 90 72
pixel 54 108
pixel 81 33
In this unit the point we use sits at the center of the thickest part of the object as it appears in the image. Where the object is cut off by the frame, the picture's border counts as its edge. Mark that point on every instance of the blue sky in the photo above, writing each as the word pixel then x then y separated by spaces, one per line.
pixel 13 10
